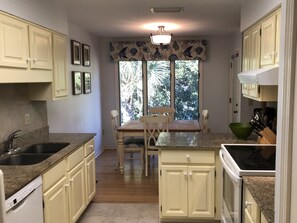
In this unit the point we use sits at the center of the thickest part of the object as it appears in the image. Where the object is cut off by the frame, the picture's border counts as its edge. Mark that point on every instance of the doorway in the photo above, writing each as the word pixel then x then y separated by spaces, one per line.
pixel 235 88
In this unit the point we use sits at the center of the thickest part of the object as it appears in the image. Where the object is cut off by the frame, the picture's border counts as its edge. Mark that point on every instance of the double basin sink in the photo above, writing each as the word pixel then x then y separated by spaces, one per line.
pixel 33 154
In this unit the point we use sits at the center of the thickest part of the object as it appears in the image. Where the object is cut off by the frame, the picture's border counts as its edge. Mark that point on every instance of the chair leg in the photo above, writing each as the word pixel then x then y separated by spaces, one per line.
pixel 146 163
pixel 142 159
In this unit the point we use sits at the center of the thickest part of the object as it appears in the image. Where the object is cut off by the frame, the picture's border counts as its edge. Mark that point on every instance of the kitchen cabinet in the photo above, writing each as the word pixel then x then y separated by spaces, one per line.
pixel 55 194
pixel 263 219
pixel 58 88
pixel 25 52
pixel 67 184
pixel 270 39
pixel 187 184
pixel 76 178
pixel 90 170
pixel 260 49
pixel 251 209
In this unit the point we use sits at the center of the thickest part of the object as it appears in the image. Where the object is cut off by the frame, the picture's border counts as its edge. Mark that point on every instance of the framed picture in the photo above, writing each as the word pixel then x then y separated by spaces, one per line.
pixel 75 52
pixel 87 82
pixel 76 83
pixel 86 55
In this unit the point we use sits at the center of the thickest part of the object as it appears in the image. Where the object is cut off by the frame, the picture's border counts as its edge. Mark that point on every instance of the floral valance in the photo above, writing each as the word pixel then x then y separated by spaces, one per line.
pixel 145 50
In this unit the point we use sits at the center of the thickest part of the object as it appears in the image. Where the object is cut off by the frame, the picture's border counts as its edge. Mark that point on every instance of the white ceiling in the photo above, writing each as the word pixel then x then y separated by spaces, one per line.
pixel 130 18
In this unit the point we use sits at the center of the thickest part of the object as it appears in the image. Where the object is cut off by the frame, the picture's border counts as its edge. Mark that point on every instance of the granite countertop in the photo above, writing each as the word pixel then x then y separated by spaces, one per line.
pixel 195 140
pixel 262 190
pixel 16 177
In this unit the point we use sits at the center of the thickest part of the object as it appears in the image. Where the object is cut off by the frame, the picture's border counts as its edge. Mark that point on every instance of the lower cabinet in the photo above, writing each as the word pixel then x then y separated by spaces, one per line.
pixel 69 186
pixel 251 209
pixel 187 185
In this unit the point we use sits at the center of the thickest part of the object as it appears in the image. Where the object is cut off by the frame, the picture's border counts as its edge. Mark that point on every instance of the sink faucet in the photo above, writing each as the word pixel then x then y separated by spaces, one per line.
pixel 10 140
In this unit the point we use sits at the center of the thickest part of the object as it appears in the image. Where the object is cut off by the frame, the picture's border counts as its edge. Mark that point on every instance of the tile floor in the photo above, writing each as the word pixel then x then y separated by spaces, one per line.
pixel 120 213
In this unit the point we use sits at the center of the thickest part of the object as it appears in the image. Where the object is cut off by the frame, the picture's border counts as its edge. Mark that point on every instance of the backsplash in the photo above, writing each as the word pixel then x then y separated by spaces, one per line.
pixel 14 104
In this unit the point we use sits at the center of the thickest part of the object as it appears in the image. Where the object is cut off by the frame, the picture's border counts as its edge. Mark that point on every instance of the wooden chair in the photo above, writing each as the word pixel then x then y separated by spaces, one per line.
pixel 153 126
pixel 132 145
pixel 204 120
pixel 169 111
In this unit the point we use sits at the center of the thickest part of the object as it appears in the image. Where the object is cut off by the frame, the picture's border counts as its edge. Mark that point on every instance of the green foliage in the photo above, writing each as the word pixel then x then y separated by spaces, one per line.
pixel 158 84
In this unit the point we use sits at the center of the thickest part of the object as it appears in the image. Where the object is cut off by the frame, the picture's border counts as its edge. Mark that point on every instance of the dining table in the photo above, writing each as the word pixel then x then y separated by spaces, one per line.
pixel 135 128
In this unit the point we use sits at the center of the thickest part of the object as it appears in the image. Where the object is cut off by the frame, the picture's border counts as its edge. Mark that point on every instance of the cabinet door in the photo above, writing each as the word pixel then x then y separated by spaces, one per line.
pixel 263 219
pixel 60 66
pixel 174 190
pixel 77 202
pixel 14 43
pixel 277 36
pixel 201 191
pixel 56 203
pixel 252 210
pixel 40 48
pixel 268 41
pixel 247 217
pixel 246 51
pixel 90 178
pixel 255 48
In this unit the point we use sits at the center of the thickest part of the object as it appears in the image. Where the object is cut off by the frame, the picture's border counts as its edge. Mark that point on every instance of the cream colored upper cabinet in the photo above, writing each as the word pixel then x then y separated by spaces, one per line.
pixel 40 48
pixel 60 66
pixel 268 27
pixel 255 47
pixel 277 36
pixel 246 51
pixel 14 47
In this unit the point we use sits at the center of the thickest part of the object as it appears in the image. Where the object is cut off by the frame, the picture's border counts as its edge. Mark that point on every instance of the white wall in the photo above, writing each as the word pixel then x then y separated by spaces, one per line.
pixel 254 10
pixel 80 113
pixel 215 84
pixel 51 14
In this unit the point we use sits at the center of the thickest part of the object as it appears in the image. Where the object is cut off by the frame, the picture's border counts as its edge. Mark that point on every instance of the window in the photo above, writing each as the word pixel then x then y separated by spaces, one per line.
pixel 131 90
pixel 159 83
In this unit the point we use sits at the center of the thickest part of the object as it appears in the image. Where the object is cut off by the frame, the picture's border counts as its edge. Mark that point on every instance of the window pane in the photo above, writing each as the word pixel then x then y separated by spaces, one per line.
pixel 186 89
pixel 158 82
pixel 131 91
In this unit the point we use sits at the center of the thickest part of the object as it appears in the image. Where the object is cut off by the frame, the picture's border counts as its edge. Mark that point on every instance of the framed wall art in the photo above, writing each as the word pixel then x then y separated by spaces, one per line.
pixel 86 56
pixel 87 82
pixel 76 83
pixel 75 52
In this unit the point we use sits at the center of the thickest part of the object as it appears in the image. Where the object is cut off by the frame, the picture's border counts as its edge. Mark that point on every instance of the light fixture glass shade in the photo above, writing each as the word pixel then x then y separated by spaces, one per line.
pixel 161 37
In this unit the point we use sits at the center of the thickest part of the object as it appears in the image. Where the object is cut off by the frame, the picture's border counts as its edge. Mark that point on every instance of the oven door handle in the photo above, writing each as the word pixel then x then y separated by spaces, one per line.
pixel 233 176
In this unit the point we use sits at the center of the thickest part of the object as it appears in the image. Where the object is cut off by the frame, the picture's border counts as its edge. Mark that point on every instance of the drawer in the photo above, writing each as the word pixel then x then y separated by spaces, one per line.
pixel 53 175
pixel 75 158
pixel 187 156
pixel 89 147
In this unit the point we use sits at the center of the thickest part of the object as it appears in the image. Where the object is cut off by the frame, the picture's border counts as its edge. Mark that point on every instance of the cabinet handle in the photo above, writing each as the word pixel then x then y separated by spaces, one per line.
pixel 35 60
pixel 66 185
pixel 28 60
pixel 248 204
pixel 190 174
pixel 188 157
pixel 91 147
pixel 185 174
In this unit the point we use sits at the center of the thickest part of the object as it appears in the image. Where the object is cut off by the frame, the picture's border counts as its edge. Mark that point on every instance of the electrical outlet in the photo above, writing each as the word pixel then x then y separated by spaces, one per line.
pixel 27 119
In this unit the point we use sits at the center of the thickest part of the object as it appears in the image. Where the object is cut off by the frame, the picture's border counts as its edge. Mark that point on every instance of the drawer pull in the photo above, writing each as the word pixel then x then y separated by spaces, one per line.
pixel 185 174
pixel 188 156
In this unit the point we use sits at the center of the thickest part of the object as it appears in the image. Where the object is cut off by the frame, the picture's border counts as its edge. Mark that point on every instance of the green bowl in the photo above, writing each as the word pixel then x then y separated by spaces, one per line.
pixel 241 130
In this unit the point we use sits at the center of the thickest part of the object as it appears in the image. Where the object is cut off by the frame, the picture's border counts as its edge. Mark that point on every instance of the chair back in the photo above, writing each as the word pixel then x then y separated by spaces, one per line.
pixel 169 111
pixel 153 126
pixel 114 125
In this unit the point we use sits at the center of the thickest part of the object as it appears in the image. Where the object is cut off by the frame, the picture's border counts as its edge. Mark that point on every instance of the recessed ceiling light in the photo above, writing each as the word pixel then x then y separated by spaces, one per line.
pixel 167 10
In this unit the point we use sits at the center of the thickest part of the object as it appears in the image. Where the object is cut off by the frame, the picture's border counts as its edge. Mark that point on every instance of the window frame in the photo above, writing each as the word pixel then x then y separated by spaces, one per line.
pixel 172 86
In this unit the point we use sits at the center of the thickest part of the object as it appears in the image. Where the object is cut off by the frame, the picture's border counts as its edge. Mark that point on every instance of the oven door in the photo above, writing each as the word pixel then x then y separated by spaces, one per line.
pixel 232 193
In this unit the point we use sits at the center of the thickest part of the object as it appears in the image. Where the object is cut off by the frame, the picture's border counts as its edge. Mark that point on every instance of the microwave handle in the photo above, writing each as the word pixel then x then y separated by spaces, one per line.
pixel 233 176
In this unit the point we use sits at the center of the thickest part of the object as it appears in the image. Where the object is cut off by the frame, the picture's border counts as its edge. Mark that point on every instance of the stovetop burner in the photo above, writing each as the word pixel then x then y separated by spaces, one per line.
pixel 253 157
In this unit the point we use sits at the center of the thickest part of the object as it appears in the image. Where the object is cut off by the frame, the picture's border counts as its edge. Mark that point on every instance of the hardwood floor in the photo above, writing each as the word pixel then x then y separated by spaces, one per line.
pixel 131 187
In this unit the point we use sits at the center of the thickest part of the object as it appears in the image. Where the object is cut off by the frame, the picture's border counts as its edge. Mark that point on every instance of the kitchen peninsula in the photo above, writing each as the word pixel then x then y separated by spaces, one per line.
pixel 190 179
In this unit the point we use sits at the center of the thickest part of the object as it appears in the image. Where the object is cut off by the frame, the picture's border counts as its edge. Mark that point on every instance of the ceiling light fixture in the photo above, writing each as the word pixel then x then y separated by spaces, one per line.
pixel 161 37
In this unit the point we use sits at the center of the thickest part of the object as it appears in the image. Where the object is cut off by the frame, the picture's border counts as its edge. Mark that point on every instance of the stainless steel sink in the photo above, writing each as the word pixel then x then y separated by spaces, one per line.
pixel 45 148
pixel 23 159
pixel 33 154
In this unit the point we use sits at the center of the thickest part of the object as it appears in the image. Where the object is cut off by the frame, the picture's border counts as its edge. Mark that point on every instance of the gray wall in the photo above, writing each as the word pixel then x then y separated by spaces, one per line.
pixel 14 104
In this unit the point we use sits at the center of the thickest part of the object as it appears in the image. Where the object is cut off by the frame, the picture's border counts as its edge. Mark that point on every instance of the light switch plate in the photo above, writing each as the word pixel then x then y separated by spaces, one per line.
pixel 27 119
